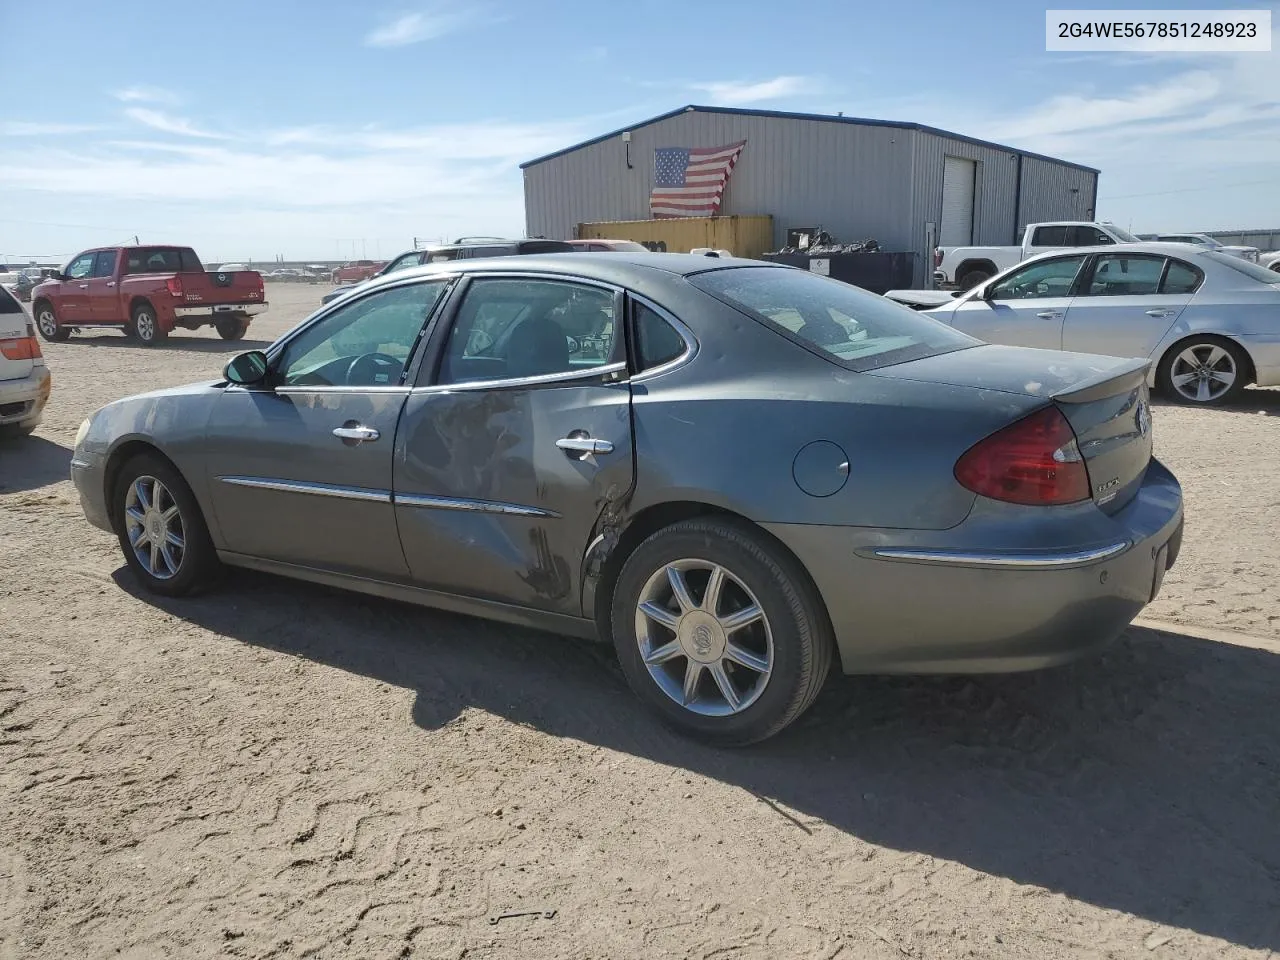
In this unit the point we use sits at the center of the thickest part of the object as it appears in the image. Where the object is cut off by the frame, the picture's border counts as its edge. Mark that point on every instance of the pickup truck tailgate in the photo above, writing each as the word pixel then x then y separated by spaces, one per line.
pixel 212 287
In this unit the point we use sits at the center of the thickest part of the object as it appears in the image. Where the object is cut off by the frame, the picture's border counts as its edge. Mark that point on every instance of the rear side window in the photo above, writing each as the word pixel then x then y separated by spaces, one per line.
pixel 1116 275
pixel 656 341
pixel 1181 278
pixel 1049 237
pixel 841 322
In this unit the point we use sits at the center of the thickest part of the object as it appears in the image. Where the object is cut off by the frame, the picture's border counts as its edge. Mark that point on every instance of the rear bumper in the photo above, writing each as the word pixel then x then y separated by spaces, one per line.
pixel 22 401
pixel 933 602
pixel 213 311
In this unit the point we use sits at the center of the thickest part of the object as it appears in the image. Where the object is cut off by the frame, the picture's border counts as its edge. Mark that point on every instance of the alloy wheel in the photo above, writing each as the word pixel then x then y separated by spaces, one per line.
pixel 155 528
pixel 704 637
pixel 1203 372
pixel 47 322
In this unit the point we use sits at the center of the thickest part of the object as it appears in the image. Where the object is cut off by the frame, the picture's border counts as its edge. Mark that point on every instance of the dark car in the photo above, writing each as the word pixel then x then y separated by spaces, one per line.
pixel 463 249
pixel 735 472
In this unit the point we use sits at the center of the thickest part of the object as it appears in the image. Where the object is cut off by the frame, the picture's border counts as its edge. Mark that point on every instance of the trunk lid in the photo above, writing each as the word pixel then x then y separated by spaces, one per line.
pixel 16 354
pixel 1105 399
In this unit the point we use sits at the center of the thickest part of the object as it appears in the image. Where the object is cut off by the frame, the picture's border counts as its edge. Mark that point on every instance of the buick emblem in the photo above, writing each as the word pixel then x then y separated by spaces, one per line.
pixel 702 640
pixel 1143 418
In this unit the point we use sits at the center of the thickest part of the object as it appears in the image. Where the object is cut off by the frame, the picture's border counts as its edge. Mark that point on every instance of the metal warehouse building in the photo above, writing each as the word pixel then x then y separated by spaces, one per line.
pixel 909 186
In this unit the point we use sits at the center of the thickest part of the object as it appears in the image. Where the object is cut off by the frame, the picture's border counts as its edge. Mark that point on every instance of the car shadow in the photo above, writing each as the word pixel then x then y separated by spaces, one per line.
pixel 1144 780
pixel 1252 401
pixel 29 463
pixel 175 341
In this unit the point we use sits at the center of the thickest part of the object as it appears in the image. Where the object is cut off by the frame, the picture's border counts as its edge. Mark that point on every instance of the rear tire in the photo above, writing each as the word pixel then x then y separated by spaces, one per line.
pixel 973 278
pixel 151 502
pixel 232 328
pixel 145 327
pixel 678 655
pixel 1203 371
pixel 47 323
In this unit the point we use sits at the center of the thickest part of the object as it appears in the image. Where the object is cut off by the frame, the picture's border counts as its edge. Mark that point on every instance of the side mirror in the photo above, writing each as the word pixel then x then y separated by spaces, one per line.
pixel 247 368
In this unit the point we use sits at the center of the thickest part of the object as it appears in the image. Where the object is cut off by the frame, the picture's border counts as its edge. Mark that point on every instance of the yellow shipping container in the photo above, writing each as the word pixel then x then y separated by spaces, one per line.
pixel 742 236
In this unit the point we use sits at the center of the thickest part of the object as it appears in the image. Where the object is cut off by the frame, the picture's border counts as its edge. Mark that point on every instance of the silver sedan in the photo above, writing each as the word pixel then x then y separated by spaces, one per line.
pixel 1209 322
pixel 737 473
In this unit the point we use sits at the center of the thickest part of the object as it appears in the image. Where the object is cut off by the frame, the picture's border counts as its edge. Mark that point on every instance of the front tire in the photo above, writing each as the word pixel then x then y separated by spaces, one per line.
pixel 145 327
pixel 719 632
pixel 232 328
pixel 161 528
pixel 47 323
pixel 1203 371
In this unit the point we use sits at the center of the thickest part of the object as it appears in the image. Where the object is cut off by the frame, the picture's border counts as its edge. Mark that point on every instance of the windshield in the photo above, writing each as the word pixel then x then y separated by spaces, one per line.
pixel 1124 236
pixel 1251 270
pixel 847 324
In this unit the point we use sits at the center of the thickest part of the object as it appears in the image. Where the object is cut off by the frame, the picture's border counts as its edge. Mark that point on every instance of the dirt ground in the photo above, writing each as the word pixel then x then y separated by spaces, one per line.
pixel 279 770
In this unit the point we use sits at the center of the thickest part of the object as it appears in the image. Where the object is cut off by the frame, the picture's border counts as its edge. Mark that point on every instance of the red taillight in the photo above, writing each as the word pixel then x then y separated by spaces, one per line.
pixel 1034 461
pixel 174 286
pixel 937 257
pixel 21 348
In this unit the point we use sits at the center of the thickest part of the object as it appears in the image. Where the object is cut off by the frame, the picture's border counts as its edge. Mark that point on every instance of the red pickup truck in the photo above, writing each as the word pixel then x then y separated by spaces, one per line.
pixel 354 271
pixel 147 292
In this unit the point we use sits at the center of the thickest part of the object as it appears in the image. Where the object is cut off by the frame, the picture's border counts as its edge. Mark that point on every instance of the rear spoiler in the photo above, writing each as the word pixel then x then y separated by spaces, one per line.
pixel 1121 376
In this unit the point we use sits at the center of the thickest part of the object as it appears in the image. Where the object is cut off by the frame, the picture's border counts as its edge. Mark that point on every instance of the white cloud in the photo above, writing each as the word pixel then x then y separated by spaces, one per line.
pixel 732 93
pixel 165 123
pixel 145 95
pixel 415 27
pixel 24 128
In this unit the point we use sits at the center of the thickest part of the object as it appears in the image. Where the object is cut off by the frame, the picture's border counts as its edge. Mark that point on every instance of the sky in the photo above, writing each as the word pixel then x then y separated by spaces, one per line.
pixel 327 129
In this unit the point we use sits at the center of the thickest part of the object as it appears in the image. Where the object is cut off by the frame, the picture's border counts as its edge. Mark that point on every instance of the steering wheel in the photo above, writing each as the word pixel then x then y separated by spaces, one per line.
pixel 373 370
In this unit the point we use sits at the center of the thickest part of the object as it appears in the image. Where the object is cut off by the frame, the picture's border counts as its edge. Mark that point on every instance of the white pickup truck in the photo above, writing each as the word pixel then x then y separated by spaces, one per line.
pixel 966 267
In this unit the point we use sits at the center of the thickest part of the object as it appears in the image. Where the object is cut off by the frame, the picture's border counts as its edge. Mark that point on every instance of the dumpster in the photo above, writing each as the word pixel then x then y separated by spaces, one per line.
pixel 878 272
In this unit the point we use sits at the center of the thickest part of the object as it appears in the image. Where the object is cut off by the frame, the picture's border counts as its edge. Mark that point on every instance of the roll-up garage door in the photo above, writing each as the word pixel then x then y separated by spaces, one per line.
pixel 958 176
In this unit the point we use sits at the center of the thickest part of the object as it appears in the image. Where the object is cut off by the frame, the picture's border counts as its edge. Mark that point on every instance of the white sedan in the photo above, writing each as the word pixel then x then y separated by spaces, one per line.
pixel 1209 322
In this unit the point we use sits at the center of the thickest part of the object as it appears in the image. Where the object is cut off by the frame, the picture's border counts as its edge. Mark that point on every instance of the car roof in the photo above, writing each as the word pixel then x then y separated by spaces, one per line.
pixel 1184 251
pixel 607 267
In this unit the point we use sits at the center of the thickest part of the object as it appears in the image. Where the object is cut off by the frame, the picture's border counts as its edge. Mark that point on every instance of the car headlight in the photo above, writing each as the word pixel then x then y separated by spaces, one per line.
pixel 82 432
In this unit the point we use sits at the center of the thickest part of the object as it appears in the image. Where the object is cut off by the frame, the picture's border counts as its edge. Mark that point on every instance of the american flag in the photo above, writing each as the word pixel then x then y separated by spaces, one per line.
pixel 690 183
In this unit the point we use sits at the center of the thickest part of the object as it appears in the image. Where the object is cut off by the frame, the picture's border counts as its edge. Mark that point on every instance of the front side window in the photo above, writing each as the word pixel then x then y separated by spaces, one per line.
pixel 104 263
pixel 1117 275
pixel 512 329
pixel 439 256
pixel 1046 278
pixel 80 267
pixel 365 343
pixel 404 262
pixel 846 324
pixel 1087 237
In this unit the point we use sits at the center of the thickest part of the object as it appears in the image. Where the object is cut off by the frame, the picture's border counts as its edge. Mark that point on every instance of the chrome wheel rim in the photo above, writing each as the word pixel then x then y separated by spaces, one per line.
pixel 47 322
pixel 1203 373
pixel 145 324
pixel 704 637
pixel 154 526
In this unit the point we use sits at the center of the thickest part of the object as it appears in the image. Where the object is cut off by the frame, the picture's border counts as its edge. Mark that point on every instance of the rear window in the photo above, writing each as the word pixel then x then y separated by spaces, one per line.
pixel 545 246
pixel 8 303
pixel 1252 270
pixel 844 323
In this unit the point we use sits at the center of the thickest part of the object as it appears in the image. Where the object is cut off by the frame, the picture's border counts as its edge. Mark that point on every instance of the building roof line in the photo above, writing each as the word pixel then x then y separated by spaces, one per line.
pixel 785 115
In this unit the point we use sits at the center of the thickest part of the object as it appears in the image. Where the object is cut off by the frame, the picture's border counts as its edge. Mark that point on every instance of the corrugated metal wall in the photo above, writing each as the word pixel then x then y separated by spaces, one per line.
pixel 741 236
pixel 854 180
pixel 1264 240
pixel 1054 191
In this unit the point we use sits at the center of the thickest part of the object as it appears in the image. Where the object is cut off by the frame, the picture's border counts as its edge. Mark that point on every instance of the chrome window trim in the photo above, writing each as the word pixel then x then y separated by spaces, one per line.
pixel 390 391
pixel 547 378
pixel 691 345
pixel 473 506
pixel 1027 561
pixel 318 489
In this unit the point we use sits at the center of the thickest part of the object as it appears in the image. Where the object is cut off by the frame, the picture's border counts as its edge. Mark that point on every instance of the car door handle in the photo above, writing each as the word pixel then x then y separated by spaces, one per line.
pixel 111 283
pixel 84 286
pixel 1049 315
pixel 356 433
pixel 1159 313
pixel 584 445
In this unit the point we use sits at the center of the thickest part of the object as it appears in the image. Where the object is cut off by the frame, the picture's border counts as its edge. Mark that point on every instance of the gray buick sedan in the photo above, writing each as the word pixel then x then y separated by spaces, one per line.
pixel 733 471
